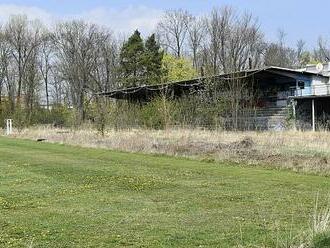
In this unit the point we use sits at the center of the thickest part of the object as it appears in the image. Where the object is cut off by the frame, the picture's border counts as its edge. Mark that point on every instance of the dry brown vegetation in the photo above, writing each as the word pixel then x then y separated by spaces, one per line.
pixel 299 151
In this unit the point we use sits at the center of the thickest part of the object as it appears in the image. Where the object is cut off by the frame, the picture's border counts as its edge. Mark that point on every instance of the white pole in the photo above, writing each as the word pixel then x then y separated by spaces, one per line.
pixel 9 126
pixel 313 115
pixel 294 114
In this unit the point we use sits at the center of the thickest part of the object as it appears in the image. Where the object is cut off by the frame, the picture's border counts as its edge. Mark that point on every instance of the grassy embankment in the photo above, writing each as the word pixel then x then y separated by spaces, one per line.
pixel 60 196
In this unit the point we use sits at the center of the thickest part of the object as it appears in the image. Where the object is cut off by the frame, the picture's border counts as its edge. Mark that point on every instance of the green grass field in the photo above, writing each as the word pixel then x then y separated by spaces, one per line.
pixel 61 196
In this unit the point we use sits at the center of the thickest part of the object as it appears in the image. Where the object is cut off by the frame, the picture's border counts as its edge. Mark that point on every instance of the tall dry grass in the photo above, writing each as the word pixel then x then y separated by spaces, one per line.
pixel 297 150
pixel 318 233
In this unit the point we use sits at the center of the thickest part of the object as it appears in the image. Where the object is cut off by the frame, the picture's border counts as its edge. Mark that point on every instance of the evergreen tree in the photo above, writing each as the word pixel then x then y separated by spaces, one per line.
pixel 153 61
pixel 132 61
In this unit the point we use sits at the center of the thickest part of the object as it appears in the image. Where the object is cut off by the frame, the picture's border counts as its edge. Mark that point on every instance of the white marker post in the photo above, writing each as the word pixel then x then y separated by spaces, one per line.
pixel 9 126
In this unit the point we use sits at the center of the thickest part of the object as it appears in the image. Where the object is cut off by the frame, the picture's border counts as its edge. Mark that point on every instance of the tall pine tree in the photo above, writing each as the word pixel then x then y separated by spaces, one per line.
pixel 141 63
pixel 132 60
pixel 153 61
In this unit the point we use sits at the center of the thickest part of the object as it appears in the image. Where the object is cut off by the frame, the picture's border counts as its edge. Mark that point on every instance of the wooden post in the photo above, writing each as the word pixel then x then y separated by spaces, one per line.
pixel 313 114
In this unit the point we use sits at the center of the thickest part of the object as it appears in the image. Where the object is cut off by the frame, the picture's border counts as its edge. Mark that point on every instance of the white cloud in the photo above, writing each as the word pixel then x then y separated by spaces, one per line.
pixel 124 20
pixel 6 10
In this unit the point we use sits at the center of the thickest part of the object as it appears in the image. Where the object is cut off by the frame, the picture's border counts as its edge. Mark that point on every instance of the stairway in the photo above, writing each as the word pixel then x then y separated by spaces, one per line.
pixel 266 118
pixel 270 118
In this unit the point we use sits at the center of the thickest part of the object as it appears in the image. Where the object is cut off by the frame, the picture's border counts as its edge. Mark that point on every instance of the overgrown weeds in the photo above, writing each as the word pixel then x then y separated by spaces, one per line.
pixel 298 151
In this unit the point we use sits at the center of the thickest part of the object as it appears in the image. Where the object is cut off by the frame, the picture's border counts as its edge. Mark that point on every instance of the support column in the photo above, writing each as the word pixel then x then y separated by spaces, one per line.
pixel 313 114
pixel 294 114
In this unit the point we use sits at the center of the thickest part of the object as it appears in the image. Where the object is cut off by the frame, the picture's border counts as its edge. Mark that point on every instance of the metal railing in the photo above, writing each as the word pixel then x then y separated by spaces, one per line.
pixel 315 90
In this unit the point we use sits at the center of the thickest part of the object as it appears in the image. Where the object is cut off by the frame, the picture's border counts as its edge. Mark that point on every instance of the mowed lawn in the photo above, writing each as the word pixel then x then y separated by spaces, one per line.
pixel 60 196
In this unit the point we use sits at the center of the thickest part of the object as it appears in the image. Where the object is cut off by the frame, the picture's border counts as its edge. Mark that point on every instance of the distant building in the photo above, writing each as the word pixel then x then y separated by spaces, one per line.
pixel 305 92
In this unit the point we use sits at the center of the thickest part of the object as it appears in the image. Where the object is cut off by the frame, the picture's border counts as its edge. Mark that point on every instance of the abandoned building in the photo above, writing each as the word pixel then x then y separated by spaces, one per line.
pixel 304 93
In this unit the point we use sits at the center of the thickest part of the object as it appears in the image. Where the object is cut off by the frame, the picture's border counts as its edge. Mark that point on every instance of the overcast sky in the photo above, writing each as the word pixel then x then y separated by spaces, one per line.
pixel 299 19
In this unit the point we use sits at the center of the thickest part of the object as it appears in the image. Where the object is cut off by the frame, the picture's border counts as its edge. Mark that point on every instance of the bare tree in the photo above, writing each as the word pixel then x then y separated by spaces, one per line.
pixel 218 28
pixel 57 90
pixel 72 50
pixel 196 31
pixel 300 48
pixel 225 16
pixel 4 64
pixel 31 83
pixel 236 42
pixel 45 62
pixel 245 43
pixel 322 53
pixel 281 34
pixel 172 30
pixel 104 70
pixel 23 40
pixel 278 54
pixel 85 61
pixel 104 73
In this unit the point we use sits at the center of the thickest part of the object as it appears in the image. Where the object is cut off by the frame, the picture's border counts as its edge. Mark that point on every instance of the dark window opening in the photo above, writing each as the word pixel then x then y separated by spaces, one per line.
pixel 301 85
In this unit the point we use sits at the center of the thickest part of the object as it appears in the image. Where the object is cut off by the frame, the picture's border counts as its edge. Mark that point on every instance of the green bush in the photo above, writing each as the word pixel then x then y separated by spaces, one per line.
pixel 158 114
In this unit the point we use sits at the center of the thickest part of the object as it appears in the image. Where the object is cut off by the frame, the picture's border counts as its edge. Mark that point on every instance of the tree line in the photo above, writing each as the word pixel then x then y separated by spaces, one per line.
pixel 67 64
